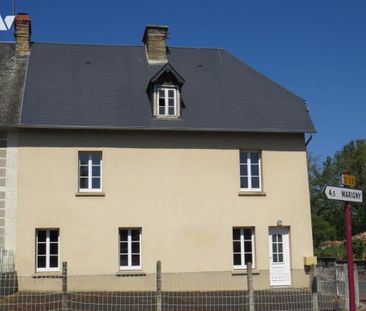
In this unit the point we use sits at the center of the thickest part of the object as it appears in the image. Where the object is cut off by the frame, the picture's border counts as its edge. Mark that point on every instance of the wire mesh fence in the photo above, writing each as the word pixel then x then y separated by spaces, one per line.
pixel 362 286
pixel 160 292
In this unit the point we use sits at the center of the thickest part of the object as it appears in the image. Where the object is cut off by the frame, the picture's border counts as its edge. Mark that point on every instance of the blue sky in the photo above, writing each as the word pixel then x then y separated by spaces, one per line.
pixel 317 49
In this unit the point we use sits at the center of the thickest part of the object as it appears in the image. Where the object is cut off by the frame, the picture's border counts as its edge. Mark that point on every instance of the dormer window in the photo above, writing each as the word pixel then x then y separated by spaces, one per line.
pixel 165 92
pixel 167 101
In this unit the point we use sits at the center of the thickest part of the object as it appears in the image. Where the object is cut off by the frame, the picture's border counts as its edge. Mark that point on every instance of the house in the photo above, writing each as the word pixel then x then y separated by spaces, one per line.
pixel 114 157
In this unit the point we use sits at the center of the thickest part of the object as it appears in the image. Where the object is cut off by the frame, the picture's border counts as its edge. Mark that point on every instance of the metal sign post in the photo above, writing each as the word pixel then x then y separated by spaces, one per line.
pixel 347 218
pixel 347 195
pixel 351 281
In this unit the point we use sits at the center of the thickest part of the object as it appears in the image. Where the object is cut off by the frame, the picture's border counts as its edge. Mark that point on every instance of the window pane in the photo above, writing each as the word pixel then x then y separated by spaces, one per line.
pixel 248 258
pixel 248 247
pixel 275 258
pixel 83 170
pixel 135 235
pixel 41 262
pixel 83 183
pixel 53 261
pixel 243 170
pixel 171 111
pixel 244 182
pixel 136 247
pixel 124 248
pixel 162 111
pixel 161 93
pixel 243 157
pixel 83 157
pixel 236 247
pixel 170 93
pixel 96 157
pixel 274 238
pixel 123 260
pixel 236 234
pixel 254 157
pixel 171 102
pixel 41 249
pixel 280 258
pixel 255 182
pixel 135 260
pixel 123 235
pixel 274 248
pixel 237 259
pixel 247 234
pixel 279 237
pixel 280 249
pixel 41 235
pixel 96 171
pixel 54 235
pixel 255 170
pixel 162 102
pixel 96 183
pixel 54 248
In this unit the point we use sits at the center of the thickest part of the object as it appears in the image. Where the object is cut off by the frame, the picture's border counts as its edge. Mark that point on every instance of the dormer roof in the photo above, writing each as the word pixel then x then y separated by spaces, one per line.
pixel 167 70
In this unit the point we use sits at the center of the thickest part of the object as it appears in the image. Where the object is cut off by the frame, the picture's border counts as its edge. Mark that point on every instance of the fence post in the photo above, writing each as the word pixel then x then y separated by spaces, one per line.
pixel 158 286
pixel 64 286
pixel 314 287
pixel 250 286
pixel 357 290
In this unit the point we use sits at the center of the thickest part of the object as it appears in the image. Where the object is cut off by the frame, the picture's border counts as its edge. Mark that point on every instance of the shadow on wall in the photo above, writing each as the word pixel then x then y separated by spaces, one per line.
pixel 160 139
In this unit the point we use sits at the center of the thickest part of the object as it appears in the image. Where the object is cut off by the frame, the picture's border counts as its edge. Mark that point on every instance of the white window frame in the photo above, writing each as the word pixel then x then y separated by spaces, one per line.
pixel 48 255
pixel 90 172
pixel 242 249
pixel 249 166
pixel 166 89
pixel 129 249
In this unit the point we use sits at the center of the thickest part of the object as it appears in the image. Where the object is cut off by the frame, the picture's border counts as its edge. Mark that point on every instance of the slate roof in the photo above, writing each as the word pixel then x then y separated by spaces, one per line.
pixel 104 87
pixel 12 74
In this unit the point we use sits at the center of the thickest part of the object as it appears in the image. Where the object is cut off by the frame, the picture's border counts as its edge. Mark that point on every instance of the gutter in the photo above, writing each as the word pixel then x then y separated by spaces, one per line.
pixel 309 140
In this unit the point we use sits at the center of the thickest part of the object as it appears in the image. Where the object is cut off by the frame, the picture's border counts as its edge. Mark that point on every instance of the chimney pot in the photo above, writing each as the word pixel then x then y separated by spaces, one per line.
pixel 155 43
pixel 22 33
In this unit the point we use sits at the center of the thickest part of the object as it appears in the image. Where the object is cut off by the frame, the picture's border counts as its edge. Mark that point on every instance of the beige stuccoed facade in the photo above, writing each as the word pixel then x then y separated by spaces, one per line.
pixel 181 189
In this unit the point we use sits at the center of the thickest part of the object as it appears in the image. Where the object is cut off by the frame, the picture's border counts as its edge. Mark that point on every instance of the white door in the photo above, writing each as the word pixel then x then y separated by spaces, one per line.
pixel 279 257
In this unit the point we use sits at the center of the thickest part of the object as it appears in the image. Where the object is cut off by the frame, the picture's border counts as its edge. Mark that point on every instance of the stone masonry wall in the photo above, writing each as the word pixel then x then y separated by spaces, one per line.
pixel 2 186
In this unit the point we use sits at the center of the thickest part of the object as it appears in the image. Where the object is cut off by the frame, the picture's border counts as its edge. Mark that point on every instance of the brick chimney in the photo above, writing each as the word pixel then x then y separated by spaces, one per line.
pixel 22 33
pixel 155 43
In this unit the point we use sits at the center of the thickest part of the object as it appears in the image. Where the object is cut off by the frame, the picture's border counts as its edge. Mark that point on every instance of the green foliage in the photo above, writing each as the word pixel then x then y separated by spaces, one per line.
pixel 322 231
pixel 332 251
pixel 327 215
pixel 357 248
pixel 341 252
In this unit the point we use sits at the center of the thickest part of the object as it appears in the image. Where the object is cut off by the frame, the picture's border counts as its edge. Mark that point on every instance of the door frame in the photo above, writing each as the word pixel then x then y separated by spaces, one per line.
pixel 286 253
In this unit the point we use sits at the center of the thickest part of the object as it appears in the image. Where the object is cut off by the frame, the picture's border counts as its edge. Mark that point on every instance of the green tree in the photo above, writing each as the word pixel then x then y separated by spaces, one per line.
pixel 357 248
pixel 322 230
pixel 327 215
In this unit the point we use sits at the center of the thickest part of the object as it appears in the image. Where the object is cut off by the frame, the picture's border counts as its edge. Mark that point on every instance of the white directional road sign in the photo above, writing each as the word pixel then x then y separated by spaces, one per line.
pixel 343 194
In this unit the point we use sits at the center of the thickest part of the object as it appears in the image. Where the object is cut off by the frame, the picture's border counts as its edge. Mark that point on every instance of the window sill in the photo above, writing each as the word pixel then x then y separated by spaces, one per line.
pixel 47 275
pixel 127 273
pixel 252 193
pixel 243 272
pixel 167 118
pixel 90 194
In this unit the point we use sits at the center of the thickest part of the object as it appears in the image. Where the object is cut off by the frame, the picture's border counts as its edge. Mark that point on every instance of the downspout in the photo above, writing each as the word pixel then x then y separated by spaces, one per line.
pixel 309 140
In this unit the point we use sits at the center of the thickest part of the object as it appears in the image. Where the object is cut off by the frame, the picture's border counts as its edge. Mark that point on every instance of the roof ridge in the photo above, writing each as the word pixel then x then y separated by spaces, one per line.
pixel 195 48
pixel 119 45
pixel 86 44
